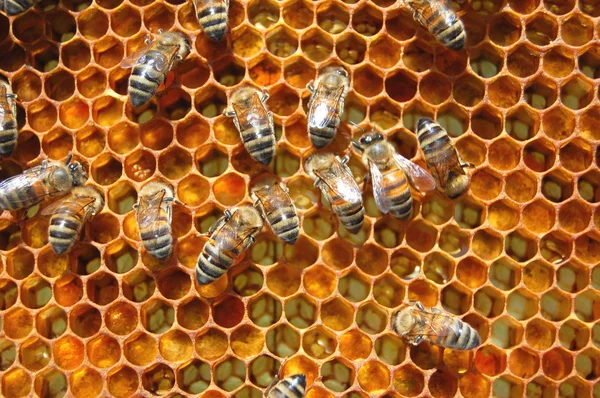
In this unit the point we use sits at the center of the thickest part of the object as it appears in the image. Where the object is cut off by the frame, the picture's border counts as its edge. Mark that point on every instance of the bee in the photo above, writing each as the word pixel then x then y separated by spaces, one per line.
pixel 277 208
pixel 291 387
pixel 416 324
pixel 154 212
pixel 326 104
pixel 16 7
pixel 8 121
pixel 49 179
pixel 441 21
pixel 442 158
pixel 212 17
pixel 230 236
pixel 333 177
pixel 152 62
pixel 254 122
pixel 69 214
pixel 391 174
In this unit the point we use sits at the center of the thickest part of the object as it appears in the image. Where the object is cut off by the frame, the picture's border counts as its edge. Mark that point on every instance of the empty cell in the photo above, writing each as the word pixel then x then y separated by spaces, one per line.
pixel 587 248
pixel 421 236
pixel 443 384
pixel 158 16
pixel 577 30
pixel 140 349
pixel 503 215
pixel 316 46
pixel 28 86
pixel 541 29
pixel 211 344
pixel 91 82
pixel 384 52
pixel 576 155
pixel 472 272
pixel 408 380
pixel 103 351
pixel 577 93
pixel 20 263
pixel 559 7
pixel 175 346
pixel 472 384
pixel 557 364
pixel 369 82
pixel 298 14
pixel 13 59
pixel 418 56
pixel 574 216
pixel 487 244
pixel 42 115
pixel 28 27
pixel 468 90
pixel 450 62
pixel 485 184
pixel 558 61
pixel 303 253
pixel 491 361
pixel 423 291
pixel 85 382
pixel 521 186
pixel 573 335
pixel 122 381
pixel 539 216
pixel 247 341
pixel 505 29
pixel 265 71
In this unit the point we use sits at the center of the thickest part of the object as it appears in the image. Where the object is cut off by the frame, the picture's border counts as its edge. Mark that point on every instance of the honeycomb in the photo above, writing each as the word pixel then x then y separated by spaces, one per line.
pixel 517 256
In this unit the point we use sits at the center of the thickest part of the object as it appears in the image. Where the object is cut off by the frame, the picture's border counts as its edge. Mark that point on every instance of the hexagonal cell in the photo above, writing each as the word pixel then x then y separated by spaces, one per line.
pixel 103 351
pixel 541 29
pixel 371 319
pixel 486 61
pixel 35 292
pixel 521 186
pixel 51 383
pixel 577 30
pixel 157 316
pixel 368 82
pixel 576 93
pixel 573 335
pixel 85 382
pixel 506 332
pixel 541 93
pixel 122 381
pixel 408 380
pixel 230 374
pixel 587 248
pixel 557 364
pixel 337 314
pixel 34 354
pixel 555 305
pixel 523 363
pixel 489 302
pixel 426 356
pixel 354 287
pixel 351 48
pixel 194 376
pixel 140 349
pixel 298 14
pixel 421 236
pixel 574 216
pixel 300 311
pixel 505 29
pixel 384 52
pixel 388 291
pixel 576 155
pixel 588 186
pixel 337 375
pixel 247 341
pixel 319 343
pixel 490 361
pixel 472 272
pixel 523 61
pixel 355 345
pixel 558 61
pixel 316 46
pixel 486 122
pixel 504 92
pixel 455 298
pixel 587 305
pixel 485 184
pixel 246 42
pixel 507 386
pixel 438 268
pixel 16 383
pixel 454 241
pixel 283 340
pixel 472 384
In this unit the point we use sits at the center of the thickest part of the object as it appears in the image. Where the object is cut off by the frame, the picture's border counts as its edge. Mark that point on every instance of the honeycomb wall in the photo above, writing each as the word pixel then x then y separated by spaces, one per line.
pixel 516 257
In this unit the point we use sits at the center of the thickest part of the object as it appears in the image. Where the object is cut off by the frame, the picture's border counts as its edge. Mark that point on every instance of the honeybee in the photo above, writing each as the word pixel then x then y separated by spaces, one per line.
pixel 230 236
pixel 326 104
pixel 152 62
pixel 254 122
pixel 8 121
pixel 212 17
pixel 291 387
pixel 390 173
pixel 16 7
pixel 442 158
pixel 277 208
pixel 416 324
pixel 49 179
pixel 154 212
pixel 440 20
pixel 69 214
pixel 333 177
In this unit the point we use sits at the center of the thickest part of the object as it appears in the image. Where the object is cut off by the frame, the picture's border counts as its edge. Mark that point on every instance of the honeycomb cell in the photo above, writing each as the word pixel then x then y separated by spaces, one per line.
pixel 489 302
pixel 16 383
pixel 472 383
pixel 51 383
pixel 157 316
pixel 486 185
pixel 542 29
pixel 8 294
pixel 490 360
pixel 122 381
pixel 319 343
pixel 354 287
pixel 541 93
pixel 140 349
pixel 421 236
pixel 388 291
pixel 337 375
pixel 85 382
pixel 15 58
pixel 558 62
pixel 35 292
pixel 408 380
pixel 371 319
pixel 68 352
pixel 103 351
pixel 473 273
pixel 573 335
pixel 230 374
pixel 557 364
pixel 505 386
pixel 455 298
pixel 300 311
pixel 438 268
pixel 34 354
pixel 320 281
pixel 521 186
pixel 505 29
pixel 337 314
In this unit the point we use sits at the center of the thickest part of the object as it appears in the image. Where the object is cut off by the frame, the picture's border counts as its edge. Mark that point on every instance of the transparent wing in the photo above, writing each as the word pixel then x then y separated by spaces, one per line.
pixel 4 105
pixel 29 178
pixel 254 115
pixel 320 113
pixel 339 179
pixel 70 205
pixel 133 59
pixel 443 165
pixel 227 238
pixel 148 209
pixel 418 176
pixel 273 198
pixel 378 189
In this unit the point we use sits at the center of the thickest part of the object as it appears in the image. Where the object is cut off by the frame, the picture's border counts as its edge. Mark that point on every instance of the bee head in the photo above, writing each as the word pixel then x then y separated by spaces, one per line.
pixel 371 138
pixel 78 173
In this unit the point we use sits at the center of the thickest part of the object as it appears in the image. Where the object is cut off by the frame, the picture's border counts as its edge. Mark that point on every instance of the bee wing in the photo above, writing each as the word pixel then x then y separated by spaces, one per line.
pixel 4 105
pixel 378 190
pixel 443 165
pixel 418 176
pixel 70 205
pixel 149 209
pixel 227 238
pixel 30 179
pixel 339 179
pixel 251 116
pixel 134 58
pixel 321 113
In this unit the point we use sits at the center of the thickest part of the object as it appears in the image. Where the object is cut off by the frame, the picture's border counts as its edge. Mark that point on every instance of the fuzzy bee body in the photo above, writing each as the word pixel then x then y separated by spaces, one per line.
pixel 291 387
pixel 326 104
pixel 335 180
pixel 49 179
pixel 392 175
pixel 212 17
pixel 441 21
pixel 151 64
pixel 442 158
pixel 279 211
pixel 154 215
pixel 70 214
pixel 254 122
pixel 415 324
pixel 8 121
pixel 16 7
pixel 230 237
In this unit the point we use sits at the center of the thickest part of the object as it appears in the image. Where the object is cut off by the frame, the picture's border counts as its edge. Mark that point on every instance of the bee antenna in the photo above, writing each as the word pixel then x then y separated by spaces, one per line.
pixel 357 146
pixel 69 157
pixel 357 126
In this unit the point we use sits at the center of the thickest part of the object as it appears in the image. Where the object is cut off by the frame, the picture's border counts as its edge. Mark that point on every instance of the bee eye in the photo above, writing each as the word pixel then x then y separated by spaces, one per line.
pixel 378 137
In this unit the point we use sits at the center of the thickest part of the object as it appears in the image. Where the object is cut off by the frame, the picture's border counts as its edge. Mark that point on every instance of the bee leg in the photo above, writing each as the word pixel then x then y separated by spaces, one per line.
pixel 282 185
pixel 417 340
pixel 468 165
pixel 249 241
pixel 147 40
pixel 228 112
pixel 345 159
pixel 178 202
pixel 365 181
pixel 265 95
pixel 419 305
pixel 227 214
pixel 310 87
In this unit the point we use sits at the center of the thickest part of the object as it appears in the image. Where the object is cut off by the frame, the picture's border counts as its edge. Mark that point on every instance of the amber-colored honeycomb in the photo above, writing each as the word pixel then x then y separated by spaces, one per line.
pixel 517 256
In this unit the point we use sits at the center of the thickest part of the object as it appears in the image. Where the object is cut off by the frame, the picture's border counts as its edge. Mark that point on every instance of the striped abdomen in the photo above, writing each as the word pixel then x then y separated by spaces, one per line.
pixel 212 16
pixel 65 227
pixel 445 25
pixel 397 190
pixel 19 193
pixel 285 224
pixel 290 387
pixel 16 7
pixel 461 336
pixel 435 142
pixel 322 136
pixel 350 214
pixel 143 83
pixel 8 134
pixel 157 239
pixel 260 143
pixel 212 263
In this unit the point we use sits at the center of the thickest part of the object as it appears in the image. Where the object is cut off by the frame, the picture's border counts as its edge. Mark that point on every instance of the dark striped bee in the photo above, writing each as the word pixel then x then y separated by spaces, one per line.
pixel 230 236
pixel 254 122
pixel 16 7
pixel 442 159
pixel 415 324
pixel 8 121
pixel 278 209
pixel 154 214
pixel 440 20
pixel 49 179
pixel 326 104
pixel 152 62
pixel 69 214
pixel 391 173
pixel 333 177
pixel 291 387
pixel 212 17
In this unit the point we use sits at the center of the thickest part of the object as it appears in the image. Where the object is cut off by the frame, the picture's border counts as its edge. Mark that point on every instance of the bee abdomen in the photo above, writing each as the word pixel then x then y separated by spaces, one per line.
pixel 401 200
pixel 211 264
pixel 286 225
pixel 213 20
pixel 321 137
pixel 454 36
pixel 261 145
pixel 63 232
pixel 16 7
pixel 8 137
pixel 351 215
pixel 466 339
pixel 159 241
pixel 15 198
pixel 142 84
